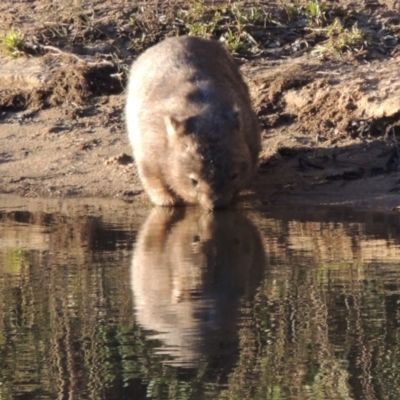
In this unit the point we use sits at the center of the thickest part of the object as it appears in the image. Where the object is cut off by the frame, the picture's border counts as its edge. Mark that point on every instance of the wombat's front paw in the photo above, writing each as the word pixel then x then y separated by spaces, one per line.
pixel 161 197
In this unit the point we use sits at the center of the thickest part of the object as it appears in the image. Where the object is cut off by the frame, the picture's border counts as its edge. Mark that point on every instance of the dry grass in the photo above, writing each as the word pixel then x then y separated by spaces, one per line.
pixel 119 31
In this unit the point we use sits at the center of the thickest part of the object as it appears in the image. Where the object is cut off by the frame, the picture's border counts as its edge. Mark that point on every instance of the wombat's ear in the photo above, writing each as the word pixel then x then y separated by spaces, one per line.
pixel 173 126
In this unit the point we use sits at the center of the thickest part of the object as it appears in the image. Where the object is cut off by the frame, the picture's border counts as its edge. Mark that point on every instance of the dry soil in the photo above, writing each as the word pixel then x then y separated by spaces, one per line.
pixel 331 124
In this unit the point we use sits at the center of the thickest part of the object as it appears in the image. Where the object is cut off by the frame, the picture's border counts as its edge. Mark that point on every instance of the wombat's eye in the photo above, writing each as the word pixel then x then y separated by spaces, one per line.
pixel 233 176
pixel 195 182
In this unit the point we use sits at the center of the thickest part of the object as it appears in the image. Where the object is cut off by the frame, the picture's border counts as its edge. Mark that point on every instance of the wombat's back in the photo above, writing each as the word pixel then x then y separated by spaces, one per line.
pixel 162 69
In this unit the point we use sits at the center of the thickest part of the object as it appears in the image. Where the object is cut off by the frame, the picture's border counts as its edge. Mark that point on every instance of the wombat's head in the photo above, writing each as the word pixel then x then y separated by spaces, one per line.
pixel 208 159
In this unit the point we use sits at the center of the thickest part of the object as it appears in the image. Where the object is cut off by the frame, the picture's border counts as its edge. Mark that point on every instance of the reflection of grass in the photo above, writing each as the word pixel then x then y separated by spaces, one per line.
pixel 13 43
pixel 304 318
pixel 12 261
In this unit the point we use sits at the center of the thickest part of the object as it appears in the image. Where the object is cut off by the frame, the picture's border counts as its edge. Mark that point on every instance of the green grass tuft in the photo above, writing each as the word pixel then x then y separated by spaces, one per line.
pixel 13 43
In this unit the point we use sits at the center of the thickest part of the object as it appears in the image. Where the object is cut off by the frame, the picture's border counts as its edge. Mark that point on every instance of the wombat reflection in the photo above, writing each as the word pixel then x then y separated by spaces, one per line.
pixel 190 273
pixel 194 135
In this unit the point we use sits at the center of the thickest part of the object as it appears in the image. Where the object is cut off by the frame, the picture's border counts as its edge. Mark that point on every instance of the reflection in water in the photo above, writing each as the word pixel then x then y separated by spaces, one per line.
pixel 329 312
pixel 315 315
pixel 56 285
pixel 190 273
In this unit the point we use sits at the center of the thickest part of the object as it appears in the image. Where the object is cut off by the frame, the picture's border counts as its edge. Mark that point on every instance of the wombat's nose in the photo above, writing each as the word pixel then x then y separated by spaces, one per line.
pixel 215 202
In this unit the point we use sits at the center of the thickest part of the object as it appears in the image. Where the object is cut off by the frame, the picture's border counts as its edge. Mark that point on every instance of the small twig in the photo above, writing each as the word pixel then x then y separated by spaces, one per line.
pixel 89 63
pixel 57 50
pixel 328 73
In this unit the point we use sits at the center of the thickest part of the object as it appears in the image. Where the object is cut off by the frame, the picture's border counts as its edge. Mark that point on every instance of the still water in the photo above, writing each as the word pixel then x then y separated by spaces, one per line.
pixel 101 301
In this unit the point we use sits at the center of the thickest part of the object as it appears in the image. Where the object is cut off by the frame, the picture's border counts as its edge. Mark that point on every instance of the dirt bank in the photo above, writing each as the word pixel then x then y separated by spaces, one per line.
pixel 331 122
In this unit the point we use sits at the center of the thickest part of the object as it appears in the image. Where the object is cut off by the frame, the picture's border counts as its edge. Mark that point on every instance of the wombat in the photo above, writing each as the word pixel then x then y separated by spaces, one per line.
pixel 194 135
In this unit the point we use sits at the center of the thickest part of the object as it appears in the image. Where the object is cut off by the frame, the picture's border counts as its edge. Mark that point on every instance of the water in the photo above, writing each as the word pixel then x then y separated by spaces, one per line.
pixel 102 301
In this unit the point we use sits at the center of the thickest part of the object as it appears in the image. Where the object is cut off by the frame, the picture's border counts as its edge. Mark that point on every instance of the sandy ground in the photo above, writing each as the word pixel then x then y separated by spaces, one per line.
pixel 331 127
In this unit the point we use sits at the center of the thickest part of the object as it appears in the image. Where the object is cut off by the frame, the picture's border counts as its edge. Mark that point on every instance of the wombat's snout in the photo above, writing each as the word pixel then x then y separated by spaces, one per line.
pixel 214 201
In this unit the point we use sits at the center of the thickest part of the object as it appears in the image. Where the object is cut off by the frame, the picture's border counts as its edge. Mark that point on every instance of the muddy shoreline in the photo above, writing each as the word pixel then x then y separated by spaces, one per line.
pixel 331 127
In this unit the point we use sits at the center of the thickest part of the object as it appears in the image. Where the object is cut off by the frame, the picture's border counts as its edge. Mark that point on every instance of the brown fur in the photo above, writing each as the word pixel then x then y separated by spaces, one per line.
pixel 194 134
pixel 190 272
